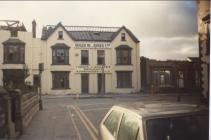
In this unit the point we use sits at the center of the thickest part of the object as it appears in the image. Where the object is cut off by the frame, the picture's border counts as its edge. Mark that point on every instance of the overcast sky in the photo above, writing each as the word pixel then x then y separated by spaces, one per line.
pixel 166 29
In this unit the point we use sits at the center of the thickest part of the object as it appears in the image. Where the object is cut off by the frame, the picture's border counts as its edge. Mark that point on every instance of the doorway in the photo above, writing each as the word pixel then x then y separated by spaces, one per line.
pixel 85 83
pixel 101 83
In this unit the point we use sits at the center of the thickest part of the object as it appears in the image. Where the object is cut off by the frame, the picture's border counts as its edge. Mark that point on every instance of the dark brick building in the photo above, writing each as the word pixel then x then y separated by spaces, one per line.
pixel 170 76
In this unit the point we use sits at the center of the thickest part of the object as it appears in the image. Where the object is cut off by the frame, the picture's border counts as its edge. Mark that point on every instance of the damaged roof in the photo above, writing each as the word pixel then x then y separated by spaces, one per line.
pixel 89 35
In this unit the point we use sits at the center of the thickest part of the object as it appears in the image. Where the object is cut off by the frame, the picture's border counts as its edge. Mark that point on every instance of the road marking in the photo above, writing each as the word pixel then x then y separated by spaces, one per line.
pixel 88 121
pixel 74 125
pixel 95 104
pixel 93 109
pixel 94 137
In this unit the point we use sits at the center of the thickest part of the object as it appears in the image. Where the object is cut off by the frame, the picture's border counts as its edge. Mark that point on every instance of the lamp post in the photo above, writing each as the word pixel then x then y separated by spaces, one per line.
pixel 41 68
pixel 102 90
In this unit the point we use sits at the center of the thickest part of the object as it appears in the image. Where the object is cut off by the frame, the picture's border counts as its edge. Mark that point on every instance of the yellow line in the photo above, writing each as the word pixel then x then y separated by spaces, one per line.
pixel 74 125
pixel 88 121
pixel 85 124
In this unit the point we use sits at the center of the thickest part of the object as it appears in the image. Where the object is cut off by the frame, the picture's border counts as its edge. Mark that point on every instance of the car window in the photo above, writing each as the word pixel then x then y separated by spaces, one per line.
pixel 128 129
pixel 178 128
pixel 111 123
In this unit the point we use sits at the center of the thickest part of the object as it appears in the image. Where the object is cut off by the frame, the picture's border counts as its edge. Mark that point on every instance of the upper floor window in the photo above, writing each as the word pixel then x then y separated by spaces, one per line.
pixel 14 51
pixel 60 35
pixel 14 33
pixel 123 37
pixel 60 54
pixel 100 57
pixel 123 55
pixel 84 57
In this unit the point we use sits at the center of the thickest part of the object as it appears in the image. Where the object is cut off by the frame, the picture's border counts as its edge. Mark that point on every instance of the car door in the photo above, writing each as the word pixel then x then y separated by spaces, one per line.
pixel 129 128
pixel 109 127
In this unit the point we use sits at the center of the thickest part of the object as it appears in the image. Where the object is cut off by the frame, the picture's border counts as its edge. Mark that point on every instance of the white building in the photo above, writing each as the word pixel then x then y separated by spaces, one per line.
pixel 76 59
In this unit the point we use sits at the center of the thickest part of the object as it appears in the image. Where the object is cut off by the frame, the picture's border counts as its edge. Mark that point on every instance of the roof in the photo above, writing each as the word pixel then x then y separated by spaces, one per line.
pixel 80 34
pixel 13 41
pixel 161 108
pixel 60 45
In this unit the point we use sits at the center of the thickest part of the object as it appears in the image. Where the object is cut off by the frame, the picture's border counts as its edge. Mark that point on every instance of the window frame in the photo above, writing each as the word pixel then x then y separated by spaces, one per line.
pixel 60 35
pixel 99 57
pixel 66 74
pixel 120 56
pixel 20 53
pixel 66 55
pixel 87 57
pixel 121 74
pixel 123 37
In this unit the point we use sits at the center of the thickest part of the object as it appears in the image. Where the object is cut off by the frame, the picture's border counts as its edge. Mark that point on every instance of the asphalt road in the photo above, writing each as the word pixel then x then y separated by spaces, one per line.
pixel 78 119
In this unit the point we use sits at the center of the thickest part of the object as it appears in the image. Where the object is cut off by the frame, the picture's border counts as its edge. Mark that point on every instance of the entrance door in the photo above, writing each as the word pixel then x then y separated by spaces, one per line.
pixel 85 83
pixel 101 83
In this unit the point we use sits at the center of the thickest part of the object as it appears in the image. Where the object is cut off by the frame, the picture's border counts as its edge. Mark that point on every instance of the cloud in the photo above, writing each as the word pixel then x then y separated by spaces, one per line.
pixel 159 25
pixel 178 48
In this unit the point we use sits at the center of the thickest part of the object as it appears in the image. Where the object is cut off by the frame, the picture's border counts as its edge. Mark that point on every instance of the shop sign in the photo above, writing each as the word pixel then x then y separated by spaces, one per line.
pixel 93 69
pixel 93 45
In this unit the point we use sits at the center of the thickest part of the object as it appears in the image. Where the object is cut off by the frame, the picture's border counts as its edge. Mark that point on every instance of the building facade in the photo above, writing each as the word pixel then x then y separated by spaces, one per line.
pixel 203 14
pixel 76 59
pixel 170 76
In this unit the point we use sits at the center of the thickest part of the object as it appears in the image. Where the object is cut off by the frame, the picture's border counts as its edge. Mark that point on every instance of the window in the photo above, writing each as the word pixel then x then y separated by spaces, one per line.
pixel 14 54
pixel 128 129
pixel 84 57
pixel 178 128
pixel 14 33
pixel 60 35
pixel 60 79
pixel 111 123
pixel 180 80
pixel 123 37
pixel 124 79
pixel 123 56
pixel 100 57
pixel 60 56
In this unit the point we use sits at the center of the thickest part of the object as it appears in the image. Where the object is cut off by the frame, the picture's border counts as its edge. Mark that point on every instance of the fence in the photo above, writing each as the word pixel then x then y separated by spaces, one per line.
pixel 16 112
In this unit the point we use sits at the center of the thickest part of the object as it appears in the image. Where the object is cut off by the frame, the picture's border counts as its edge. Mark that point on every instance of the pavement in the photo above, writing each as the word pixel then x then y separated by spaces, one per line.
pixel 70 118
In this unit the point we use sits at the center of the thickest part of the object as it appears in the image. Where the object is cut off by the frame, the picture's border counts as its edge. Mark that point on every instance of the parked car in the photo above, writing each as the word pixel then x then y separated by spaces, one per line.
pixel 155 121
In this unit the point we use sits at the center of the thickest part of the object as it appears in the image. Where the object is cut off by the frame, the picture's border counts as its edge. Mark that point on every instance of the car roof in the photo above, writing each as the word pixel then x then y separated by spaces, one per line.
pixel 154 109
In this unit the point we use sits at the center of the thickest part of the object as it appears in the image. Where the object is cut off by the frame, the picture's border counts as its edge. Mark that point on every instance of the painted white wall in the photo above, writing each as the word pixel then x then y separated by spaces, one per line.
pixel 39 51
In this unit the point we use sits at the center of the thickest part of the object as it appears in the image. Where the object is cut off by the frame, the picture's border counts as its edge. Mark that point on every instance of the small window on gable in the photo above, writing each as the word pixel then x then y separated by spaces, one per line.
pixel 14 33
pixel 123 37
pixel 60 35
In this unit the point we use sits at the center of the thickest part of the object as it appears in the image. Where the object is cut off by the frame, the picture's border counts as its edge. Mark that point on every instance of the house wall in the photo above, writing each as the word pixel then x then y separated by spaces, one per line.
pixel 203 10
pixel 40 51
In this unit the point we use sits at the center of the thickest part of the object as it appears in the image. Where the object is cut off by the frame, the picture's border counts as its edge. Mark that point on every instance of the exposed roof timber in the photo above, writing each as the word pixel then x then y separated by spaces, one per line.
pixel 12 24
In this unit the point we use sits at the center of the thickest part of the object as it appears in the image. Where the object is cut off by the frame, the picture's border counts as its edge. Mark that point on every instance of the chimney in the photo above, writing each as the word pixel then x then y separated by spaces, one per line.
pixel 34 28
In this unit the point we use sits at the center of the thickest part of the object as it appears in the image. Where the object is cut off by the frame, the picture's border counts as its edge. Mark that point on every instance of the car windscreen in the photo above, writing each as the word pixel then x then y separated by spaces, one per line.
pixel 178 128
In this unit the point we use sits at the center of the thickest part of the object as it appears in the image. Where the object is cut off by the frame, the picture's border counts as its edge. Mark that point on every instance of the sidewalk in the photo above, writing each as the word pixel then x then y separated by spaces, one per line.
pixel 116 95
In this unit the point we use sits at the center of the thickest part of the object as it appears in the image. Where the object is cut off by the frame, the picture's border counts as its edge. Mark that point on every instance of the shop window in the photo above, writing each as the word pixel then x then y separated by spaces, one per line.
pixel 123 56
pixel 60 35
pixel 100 57
pixel 84 57
pixel 124 79
pixel 60 56
pixel 60 80
pixel 14 54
